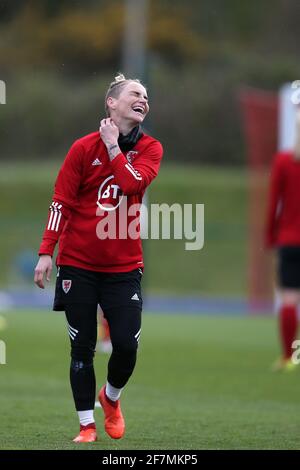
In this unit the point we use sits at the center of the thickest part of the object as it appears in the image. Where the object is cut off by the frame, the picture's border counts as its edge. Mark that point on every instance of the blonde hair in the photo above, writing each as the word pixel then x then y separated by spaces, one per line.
pixel 116 87
pixel 297 137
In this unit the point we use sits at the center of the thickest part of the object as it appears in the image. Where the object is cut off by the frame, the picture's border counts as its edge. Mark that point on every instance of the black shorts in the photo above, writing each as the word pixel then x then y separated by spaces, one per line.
pixel 289 267
pixel 109 290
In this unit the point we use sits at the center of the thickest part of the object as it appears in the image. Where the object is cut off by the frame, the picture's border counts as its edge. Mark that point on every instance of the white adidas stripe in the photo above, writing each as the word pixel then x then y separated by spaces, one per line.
pixel 71 335
pixel 51 215
pixel 138 333
pixel 58 221
pixel 54 221
pixel 133 169
pixel 72 332
pixel 71 327
pixel 55 216
pixel 133 172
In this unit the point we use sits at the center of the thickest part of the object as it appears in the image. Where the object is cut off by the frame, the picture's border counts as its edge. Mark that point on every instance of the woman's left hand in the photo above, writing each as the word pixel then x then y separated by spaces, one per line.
pixel 109 132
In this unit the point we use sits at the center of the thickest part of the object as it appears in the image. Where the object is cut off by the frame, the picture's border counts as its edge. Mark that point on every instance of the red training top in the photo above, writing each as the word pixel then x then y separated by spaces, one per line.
pixel 88 189
pixel 283 221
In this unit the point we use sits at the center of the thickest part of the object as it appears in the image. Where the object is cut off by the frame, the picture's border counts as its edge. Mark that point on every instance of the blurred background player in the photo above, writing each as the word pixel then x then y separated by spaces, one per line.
pixel 283 233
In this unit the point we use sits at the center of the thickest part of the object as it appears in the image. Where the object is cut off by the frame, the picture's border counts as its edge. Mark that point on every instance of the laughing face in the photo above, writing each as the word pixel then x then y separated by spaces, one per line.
pixel 131 105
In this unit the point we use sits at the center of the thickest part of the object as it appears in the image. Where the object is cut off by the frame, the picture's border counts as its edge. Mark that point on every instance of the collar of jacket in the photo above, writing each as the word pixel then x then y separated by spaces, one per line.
pixel 127 142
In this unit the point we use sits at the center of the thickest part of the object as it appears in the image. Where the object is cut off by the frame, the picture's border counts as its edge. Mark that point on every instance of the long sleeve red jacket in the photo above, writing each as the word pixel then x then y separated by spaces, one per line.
pixel 89 189
pixel 283 218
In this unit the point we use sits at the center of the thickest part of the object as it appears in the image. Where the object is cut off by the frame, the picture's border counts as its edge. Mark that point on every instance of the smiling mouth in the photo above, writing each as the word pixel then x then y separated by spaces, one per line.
pixel 139 110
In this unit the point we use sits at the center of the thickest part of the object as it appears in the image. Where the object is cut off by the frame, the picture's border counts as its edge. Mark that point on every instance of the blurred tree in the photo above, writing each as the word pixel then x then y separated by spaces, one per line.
pixel 88 35
pixel 90 38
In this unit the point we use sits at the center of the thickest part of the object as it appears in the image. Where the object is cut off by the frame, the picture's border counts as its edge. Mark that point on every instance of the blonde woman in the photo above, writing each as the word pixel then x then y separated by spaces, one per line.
pixel 104 172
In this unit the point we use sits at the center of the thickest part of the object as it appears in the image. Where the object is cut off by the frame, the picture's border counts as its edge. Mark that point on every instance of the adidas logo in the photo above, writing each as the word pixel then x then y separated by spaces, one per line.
pixel 135 297
pixel 96 162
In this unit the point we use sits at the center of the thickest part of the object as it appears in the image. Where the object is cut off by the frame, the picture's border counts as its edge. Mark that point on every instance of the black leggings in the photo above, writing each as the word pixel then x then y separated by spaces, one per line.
pixel 125 327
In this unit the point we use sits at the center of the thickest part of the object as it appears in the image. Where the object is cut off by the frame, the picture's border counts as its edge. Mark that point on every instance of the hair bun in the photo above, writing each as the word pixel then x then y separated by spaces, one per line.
pixel 120 78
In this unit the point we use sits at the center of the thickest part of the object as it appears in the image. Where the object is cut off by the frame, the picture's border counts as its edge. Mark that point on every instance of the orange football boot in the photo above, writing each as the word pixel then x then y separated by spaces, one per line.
pixel 113 419
pixel 87 434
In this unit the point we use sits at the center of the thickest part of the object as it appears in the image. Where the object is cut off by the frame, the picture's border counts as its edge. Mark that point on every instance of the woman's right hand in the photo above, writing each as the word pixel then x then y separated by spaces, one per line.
pixel 44 266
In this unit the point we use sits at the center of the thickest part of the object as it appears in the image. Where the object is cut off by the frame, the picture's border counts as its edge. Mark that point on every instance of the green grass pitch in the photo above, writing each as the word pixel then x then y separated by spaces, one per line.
pixel 201 382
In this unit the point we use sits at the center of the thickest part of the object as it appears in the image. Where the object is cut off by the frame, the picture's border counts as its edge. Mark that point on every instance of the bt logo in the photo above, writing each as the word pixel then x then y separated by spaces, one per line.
pixel 110 195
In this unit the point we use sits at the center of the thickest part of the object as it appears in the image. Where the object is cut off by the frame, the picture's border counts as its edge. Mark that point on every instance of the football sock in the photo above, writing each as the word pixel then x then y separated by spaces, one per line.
pixel 86 417
pixel 288 324
pixel 112 393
